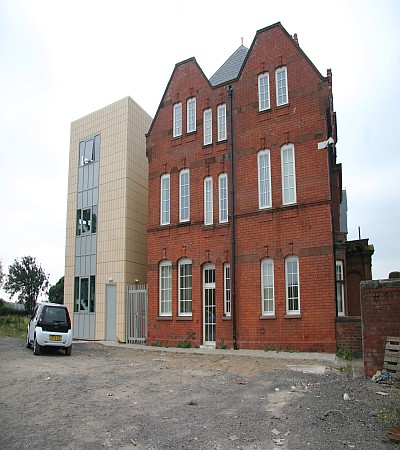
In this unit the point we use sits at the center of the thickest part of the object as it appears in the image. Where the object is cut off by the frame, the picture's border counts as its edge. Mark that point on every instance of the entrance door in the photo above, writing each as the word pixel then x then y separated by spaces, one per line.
pixel 209 316
pixel 111 312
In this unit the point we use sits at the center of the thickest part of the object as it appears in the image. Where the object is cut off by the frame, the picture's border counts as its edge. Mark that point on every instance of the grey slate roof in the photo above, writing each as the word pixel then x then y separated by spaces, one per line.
pixel 343 213
pixel 231 67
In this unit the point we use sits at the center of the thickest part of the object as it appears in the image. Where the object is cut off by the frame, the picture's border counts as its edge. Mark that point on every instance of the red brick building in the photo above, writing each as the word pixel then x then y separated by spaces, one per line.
pixel 244 205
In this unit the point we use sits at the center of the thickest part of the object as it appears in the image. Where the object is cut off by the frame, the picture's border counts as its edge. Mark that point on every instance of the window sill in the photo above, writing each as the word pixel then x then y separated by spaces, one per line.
pixel 189 133
pixel 184 318
pixel 264 111
pixel 224 317
pixel 268 317
pixel 222 141
pixel 183 224
pixel 292 316
pixel 207 146
pixel 164 318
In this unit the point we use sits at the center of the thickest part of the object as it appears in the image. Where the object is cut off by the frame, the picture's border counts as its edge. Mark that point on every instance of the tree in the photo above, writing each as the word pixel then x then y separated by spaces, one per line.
pixel 56 292
pixel 1 274
pixel 27 280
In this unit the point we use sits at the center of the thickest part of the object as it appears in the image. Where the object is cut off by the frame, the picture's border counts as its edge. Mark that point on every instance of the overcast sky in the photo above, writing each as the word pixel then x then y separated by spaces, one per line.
pixel 61 60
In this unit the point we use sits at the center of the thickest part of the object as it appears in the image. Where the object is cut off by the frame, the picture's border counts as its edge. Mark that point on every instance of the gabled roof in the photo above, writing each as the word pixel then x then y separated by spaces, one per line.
pixel 231 67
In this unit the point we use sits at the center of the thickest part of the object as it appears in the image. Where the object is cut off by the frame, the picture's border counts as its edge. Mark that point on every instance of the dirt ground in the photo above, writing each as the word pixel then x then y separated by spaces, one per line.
pixel 126 398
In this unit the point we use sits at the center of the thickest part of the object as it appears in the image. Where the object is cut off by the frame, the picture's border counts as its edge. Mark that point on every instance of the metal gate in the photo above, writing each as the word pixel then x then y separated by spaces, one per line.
pixel 136 314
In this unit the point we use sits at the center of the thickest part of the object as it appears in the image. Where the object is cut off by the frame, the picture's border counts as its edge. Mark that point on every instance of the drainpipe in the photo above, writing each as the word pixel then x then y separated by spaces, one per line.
pixel 232 186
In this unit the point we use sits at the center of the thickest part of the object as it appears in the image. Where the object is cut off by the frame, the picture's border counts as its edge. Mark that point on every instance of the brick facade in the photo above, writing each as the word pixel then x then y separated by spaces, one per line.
pixel 302 229
pixel 380 307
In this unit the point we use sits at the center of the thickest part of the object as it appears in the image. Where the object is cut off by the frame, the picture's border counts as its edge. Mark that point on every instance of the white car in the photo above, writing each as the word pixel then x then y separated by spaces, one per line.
pixel 50 326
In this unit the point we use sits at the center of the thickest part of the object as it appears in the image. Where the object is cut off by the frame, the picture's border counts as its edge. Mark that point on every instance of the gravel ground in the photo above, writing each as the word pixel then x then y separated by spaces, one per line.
pixel 148 398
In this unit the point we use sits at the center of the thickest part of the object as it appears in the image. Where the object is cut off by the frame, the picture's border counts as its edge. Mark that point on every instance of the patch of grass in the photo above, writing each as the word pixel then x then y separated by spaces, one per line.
pixel 13 326
pixel 269 348
pixel 344 352
pixel 389 417
pixel 185 344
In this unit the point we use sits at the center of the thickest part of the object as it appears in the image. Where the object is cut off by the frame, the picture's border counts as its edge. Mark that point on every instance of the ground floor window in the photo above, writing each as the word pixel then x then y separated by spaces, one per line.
pixel 185 287
pixel 165 288
pixel 84 294
pixel 267 286
pixel 227 289
pixel 292 285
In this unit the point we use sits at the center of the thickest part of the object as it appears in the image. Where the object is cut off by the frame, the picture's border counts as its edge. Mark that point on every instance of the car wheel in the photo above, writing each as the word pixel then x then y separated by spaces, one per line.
pixel 28 344
pixel 36 347
pixel 68 350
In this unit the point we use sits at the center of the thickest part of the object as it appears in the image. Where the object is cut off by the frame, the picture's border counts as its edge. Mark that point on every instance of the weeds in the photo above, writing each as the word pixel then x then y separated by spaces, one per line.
pixel 344 352
pixel 13 326
pixel 222 345
pixel 185 344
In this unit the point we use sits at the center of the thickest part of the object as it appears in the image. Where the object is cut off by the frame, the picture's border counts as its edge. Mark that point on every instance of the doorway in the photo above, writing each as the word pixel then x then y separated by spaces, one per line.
pixel 209 310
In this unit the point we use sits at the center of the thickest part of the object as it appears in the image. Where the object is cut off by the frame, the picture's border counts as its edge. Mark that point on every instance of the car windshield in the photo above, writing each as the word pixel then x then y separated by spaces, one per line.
pixel 54 314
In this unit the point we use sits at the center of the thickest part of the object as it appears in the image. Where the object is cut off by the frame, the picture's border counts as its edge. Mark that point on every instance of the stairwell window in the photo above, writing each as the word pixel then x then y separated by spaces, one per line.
pixel 340 288
pixel 165 199
pixel 292 285
pixel 177 120
pixel 267 287
pixel 165 288
pixel 184 196
pixel 208 201
pixel 221 122
pixel 207 126
pixel 264 179
pixel 185 287
pixel 281 86
pixel 223 197
pixel 191 115
pixel 263 92
pixel 288 174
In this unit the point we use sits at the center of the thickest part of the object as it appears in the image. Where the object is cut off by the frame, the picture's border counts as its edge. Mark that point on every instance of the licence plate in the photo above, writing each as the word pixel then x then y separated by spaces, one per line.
pixel 55 337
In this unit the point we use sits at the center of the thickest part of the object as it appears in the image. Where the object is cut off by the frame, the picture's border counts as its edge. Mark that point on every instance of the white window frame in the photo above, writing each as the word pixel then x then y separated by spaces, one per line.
pixel 292 282
pixel 282 96
pixel 187 288
pixel 221 122
pixel 165 275
pixel 191 115
pixel 263 92
pixel 264 179
pixel 165 202
pixel 207 126
pixel 208 201
pixel 288 174
pixel 177 120
pixel 184 196
pixel 227 290
pixel 340 288
pixel 223 198
pixel 267 287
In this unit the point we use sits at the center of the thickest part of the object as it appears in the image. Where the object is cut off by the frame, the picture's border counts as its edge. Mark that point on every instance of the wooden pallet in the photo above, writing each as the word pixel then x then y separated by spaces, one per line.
pixel 392 356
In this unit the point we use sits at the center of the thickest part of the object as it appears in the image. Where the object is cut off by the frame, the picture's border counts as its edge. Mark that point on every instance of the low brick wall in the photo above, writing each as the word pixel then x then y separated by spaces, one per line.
pixel 380 310
pixel 348 334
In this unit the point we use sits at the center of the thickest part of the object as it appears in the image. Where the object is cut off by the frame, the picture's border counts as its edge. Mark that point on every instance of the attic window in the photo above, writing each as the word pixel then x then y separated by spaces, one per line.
pixel 177 120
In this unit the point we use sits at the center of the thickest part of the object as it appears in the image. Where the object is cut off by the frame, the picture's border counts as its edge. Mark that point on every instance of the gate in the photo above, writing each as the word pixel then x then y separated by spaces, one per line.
pixel 136 314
